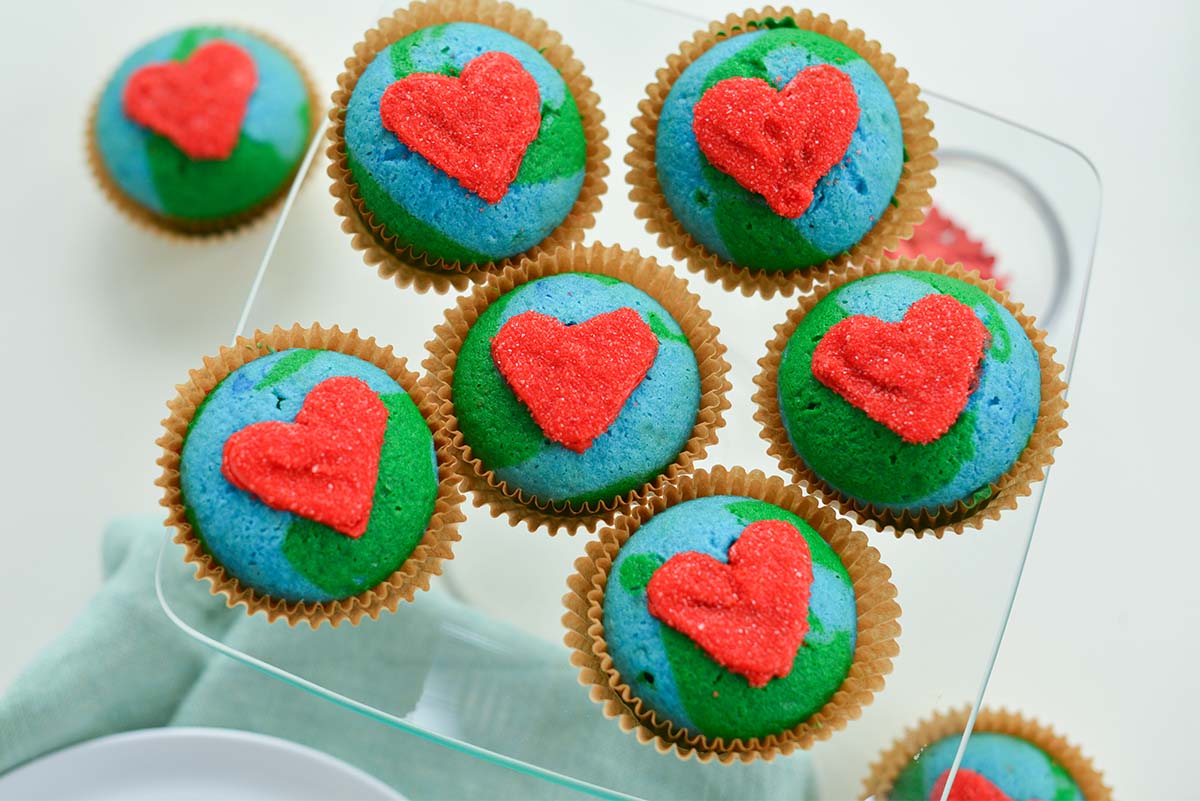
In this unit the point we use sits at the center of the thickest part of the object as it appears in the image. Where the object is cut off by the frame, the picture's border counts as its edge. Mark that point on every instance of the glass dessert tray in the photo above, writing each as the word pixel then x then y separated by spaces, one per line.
pixel 477 665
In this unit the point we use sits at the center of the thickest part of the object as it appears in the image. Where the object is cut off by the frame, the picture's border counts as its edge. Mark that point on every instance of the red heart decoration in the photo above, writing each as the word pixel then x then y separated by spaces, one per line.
pixel 199 103
pixel 968 786
pixel 915 376
pixel 574 379
pixel 750 615
pixel 475 128
pixel 324 465
pixel 778 144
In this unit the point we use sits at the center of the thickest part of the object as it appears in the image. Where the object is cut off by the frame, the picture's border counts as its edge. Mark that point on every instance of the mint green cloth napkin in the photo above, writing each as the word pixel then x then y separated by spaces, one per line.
pixel 122 665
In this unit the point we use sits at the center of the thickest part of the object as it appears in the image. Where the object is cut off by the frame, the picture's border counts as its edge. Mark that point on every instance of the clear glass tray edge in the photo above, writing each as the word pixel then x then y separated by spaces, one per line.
pixel 526 768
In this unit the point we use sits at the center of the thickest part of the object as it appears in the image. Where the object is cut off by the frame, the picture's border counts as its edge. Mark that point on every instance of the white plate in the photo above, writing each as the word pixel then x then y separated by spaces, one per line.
pixel 191 764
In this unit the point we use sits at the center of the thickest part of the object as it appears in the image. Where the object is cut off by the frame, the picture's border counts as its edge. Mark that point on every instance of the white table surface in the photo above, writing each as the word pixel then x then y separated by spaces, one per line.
pixel 100 320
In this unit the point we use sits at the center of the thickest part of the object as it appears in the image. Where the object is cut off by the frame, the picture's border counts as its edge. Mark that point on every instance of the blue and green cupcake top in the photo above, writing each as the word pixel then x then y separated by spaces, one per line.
pixel 309 475
pixel 909 391
pixel 730 617
pixel 779 149
pixel 464 143
pixel 203 124
pixel 576 388
pixel 995 767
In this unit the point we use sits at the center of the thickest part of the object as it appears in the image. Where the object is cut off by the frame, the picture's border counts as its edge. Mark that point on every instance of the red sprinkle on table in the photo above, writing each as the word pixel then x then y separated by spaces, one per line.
pixel 750 615
pixel 574 379
pixel 199 103
pixel 324 465
pixel 915 376
pixel 778 144
pixel 475 128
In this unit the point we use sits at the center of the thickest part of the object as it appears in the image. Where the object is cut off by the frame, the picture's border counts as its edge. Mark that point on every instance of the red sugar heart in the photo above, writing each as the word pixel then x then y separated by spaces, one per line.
pixel 915 376
pixel 968 786
pixel 324 465
pixel 750 615
pixel 778 144
pixel 199 103
pixel 475 128
pixel 574 379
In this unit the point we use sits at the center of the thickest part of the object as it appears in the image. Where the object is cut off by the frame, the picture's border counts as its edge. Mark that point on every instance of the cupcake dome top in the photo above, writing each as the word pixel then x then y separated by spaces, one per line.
pixel 203 123
pixel 309 475
pixel 825 140
pixel 909 390
pixel 576 388
pixel 993 762
pixel 744 672
pixel 464 143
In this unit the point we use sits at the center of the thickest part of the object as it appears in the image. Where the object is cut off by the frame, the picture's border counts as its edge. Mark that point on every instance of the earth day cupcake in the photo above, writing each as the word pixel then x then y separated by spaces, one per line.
pixel 774 142
pixel 731 616
pixel 202 129
pixel 912 394
pixel 465 137
pixel 940 236
pixel 304 478
pixel 570 384
pixel 1008 758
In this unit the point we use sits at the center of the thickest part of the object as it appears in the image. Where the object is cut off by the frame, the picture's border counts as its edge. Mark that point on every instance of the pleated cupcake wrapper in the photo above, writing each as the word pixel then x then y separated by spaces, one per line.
pixel 401 262
pixel 897 221
pixel 416 571
pixel 646 274
pixel 952 723
pixel 875 647
pixel 1029 468
pixel 181 229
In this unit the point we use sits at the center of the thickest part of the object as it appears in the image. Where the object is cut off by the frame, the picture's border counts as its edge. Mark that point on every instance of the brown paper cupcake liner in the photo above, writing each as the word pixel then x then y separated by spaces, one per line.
pixel 1029 468
pixel 897 221
pixel 646 274
pixel 876 645
pixel 400 262
pixel 878 784
pixel 181 229
pixel 416 571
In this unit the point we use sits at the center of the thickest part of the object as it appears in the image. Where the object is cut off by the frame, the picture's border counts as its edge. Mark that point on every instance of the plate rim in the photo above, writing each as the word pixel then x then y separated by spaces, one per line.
pixel 134 737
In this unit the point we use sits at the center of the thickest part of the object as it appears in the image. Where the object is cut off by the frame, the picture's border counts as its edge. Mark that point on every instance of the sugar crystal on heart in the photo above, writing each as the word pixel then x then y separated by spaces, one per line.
pixel 574 379
pixel 750 614
pixel 915 376
pixel 778 144
pixel 198 104
pixel 324 465
pixel 475 128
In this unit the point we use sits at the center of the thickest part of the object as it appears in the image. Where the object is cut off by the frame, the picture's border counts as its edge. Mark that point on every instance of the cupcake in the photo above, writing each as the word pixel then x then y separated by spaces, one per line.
pixel 202 130
pixel 570 384
pixel 939 236
pixel 1008 758
pixel 303 477
pixel 464 137
pixel 773 144
pixel 913 395
pixel 733 617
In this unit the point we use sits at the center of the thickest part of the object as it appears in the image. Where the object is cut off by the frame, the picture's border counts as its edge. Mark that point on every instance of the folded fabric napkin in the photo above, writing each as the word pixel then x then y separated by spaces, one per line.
pixel 122 665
